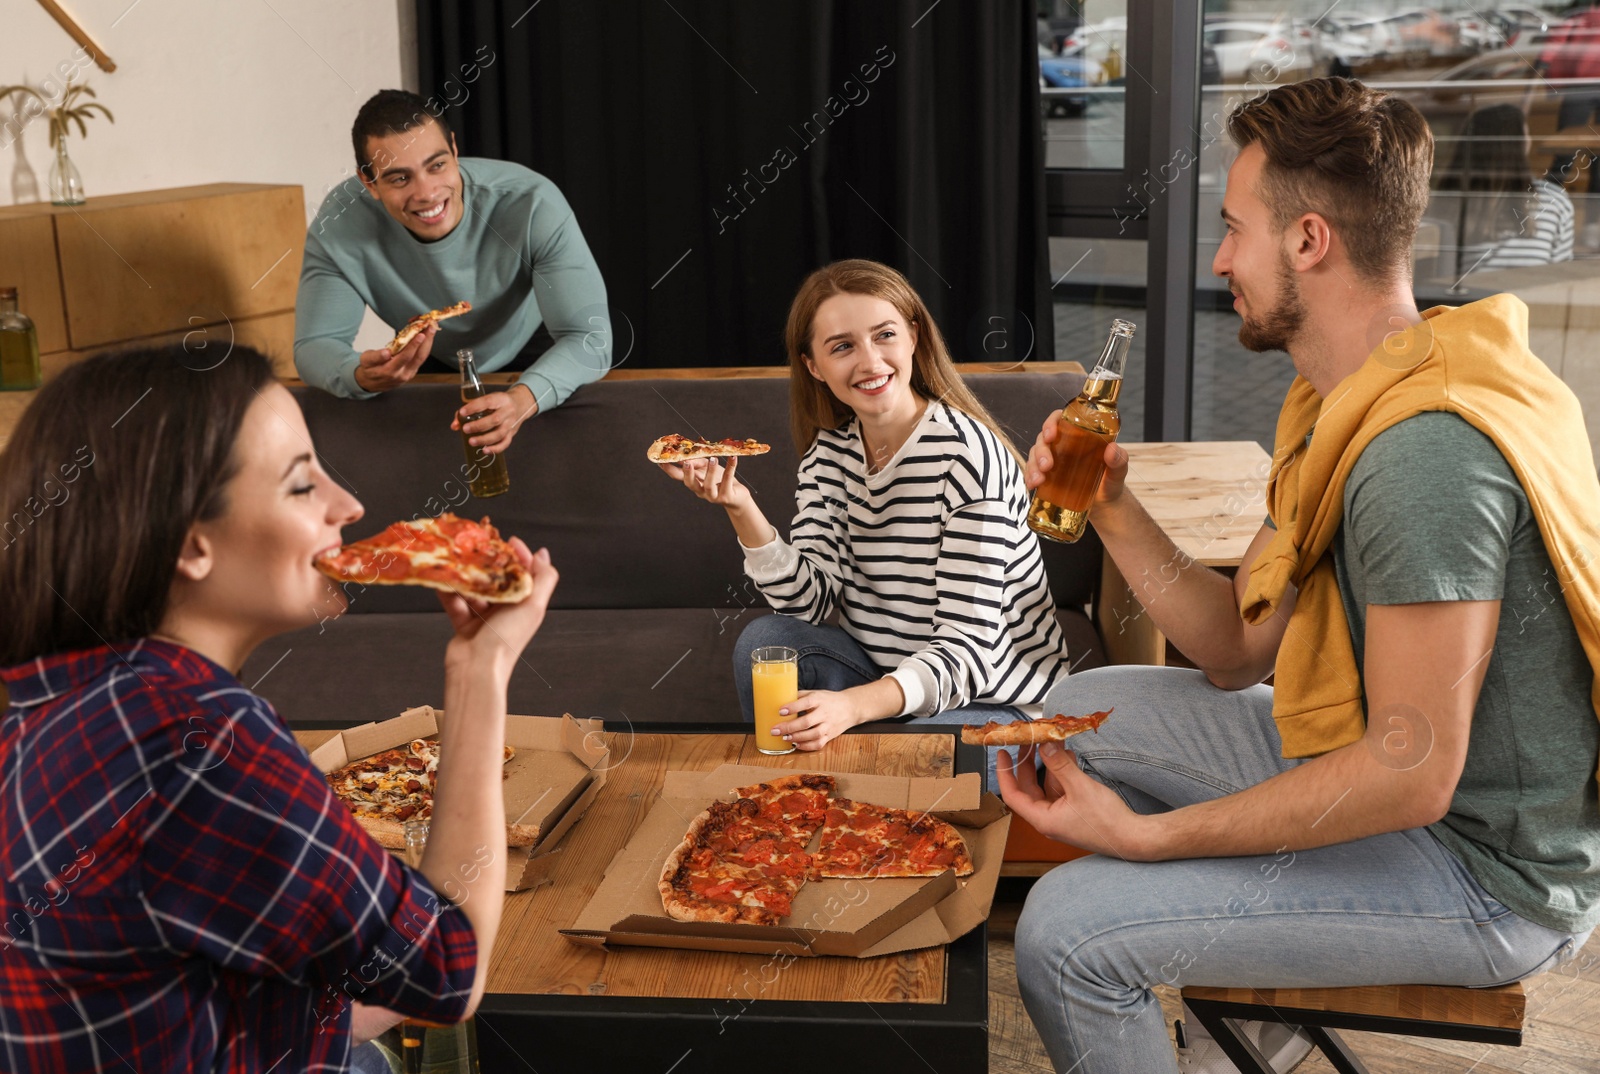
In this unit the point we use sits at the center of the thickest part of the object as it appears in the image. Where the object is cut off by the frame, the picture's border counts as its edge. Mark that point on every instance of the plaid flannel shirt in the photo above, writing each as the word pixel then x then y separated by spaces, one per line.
pixel 181 891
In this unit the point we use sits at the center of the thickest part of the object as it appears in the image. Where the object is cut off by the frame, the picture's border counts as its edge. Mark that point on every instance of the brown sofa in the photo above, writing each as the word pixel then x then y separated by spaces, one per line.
pixel 652 592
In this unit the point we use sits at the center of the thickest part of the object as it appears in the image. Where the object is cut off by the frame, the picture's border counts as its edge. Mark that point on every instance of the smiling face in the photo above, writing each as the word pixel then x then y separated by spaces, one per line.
pixel 416 177
pixel 1256 263
pixel 861 348
pixel 250 568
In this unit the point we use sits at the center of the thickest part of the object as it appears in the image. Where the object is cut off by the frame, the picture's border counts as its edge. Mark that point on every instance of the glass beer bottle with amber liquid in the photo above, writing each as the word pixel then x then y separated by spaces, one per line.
pixel 19 346
pixel 1060 508
pixel 487 472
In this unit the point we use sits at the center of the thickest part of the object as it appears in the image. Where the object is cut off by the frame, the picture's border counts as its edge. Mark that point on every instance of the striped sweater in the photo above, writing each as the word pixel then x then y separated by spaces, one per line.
pixel 929 562
pixel 1544 235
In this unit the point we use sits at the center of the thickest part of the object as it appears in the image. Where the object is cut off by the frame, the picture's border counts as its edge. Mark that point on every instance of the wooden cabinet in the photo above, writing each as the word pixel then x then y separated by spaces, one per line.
pixel 216 262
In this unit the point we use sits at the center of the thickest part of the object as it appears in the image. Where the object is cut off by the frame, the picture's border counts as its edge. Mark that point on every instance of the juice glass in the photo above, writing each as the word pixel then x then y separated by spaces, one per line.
pixel 775 679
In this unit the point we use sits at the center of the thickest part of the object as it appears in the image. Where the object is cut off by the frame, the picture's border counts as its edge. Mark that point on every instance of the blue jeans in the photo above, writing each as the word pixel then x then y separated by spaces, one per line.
pixel 1097 933
pixel 830 659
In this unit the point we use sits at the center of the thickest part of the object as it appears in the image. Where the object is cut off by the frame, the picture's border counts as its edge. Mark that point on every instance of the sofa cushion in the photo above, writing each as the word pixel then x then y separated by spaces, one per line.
pixel 620 665
pixel 622 535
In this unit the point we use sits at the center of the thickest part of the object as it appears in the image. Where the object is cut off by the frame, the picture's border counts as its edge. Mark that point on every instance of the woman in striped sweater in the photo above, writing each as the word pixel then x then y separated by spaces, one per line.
pixel 910 526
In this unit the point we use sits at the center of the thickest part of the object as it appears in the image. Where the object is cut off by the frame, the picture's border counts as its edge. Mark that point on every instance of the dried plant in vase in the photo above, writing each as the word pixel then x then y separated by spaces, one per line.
pixel 66 185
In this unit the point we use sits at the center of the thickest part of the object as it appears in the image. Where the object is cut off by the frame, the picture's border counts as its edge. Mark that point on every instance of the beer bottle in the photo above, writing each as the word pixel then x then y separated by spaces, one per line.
pixel 486 473
pixel 1060 508
pixel 19 346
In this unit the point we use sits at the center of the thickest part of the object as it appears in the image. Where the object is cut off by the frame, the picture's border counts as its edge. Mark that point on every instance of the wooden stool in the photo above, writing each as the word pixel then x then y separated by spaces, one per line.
pixel 1486 1015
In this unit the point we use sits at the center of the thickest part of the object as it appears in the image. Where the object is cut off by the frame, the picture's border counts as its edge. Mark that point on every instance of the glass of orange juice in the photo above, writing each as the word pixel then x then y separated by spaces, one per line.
pixel 775 676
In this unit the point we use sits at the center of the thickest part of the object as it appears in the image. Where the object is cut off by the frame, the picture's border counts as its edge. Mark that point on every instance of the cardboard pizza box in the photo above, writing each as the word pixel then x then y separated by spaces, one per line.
pixel 857 918
pixel 559 768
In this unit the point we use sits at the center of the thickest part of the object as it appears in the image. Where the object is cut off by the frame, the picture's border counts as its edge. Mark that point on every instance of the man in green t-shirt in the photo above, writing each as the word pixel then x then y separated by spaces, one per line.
pixel 420 228
pixel 1456 839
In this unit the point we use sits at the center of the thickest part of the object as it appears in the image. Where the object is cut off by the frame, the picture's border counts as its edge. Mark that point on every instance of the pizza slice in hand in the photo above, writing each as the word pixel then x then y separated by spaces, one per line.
pixel 452 554
pixel 675 448
pixel 422 320
pixel 1032 732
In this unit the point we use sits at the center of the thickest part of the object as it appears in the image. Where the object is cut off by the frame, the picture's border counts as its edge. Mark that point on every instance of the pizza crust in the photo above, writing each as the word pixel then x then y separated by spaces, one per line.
pixel 422 320
pixel 1031 732
pixel 683 905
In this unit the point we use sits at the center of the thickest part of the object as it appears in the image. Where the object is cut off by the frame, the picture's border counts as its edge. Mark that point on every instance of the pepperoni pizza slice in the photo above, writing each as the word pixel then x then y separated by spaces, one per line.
pixel 452 554
pixel 675 448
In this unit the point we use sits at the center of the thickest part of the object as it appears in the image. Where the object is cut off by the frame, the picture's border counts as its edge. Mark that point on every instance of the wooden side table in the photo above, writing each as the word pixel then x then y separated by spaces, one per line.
pixel 1210 498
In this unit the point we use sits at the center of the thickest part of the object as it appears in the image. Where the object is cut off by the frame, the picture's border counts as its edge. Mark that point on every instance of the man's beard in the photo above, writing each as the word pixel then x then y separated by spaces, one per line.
pixel 1278 327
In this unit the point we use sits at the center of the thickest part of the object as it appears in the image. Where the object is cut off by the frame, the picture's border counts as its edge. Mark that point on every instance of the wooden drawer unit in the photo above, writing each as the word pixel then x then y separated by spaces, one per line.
pixel 134 266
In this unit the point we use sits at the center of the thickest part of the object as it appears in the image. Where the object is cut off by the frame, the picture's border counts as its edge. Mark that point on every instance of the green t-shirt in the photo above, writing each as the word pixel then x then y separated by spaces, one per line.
pixel 1432 512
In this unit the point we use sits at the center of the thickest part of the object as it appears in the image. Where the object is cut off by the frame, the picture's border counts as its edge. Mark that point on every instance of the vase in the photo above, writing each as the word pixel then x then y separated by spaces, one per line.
pixel 66 185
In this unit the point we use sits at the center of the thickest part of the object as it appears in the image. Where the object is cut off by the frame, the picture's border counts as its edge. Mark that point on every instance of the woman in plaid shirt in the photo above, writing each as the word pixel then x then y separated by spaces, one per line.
pixel 180 889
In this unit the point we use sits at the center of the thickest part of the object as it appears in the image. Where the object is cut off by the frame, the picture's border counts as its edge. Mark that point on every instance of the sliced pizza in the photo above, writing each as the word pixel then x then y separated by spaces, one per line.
pixel 743 862
pixel 448 553
pixel 794 805
pixel 389 788
pixel 864 840
pixel 701 881
pixel 1032 732
pixel 422 320
pixel 675 448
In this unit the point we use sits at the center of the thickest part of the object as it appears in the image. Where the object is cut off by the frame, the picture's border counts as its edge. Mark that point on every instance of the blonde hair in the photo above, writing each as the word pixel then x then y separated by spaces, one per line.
pixel 812 405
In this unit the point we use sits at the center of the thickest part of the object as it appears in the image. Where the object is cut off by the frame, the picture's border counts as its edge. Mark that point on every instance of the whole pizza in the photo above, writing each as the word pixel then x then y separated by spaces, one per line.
pixel 743 862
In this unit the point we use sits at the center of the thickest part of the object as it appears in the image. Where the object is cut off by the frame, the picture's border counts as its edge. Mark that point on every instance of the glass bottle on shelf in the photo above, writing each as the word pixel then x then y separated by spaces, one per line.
pixel 1060 508
pixel 427 1047
pixel 487 474
pixel 19 346
pixel 66 185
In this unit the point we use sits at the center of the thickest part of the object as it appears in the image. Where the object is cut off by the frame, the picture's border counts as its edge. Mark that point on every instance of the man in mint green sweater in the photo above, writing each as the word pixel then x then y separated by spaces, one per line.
pixel 438 229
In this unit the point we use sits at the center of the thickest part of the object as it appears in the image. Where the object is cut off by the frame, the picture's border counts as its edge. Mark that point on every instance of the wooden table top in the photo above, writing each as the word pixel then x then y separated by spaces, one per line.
pixel 531 959
pixel 1209 496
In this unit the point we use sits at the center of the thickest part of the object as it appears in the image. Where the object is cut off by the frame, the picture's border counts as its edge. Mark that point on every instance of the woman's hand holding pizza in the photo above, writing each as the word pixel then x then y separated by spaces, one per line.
pixel 710 480
pixel 487 629
pixel 1072 806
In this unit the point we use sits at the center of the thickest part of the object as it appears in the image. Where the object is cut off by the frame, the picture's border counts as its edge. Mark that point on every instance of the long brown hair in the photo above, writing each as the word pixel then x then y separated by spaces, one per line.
pixel 812 405
pixel 110 466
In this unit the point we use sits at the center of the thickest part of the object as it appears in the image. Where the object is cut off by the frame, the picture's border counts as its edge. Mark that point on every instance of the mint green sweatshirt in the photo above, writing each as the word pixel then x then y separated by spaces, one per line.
pixel 517 255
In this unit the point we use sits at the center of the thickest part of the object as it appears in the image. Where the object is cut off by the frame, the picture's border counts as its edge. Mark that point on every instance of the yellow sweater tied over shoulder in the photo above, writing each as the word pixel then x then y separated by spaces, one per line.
pixel 1469 360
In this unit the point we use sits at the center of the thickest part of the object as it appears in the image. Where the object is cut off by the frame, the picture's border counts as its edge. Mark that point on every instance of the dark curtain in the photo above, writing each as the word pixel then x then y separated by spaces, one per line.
pixel 716 152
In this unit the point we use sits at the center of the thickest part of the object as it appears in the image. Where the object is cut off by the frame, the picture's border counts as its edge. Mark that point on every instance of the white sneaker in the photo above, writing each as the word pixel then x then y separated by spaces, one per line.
pixel 1285 1047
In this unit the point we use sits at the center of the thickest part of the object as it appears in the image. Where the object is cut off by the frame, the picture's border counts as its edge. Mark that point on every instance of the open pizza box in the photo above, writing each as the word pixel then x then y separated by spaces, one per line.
pixel 559 768
pixel 857 918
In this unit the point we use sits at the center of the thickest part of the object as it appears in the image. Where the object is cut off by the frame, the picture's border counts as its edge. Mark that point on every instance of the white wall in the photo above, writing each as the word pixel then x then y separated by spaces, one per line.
pixel 206 91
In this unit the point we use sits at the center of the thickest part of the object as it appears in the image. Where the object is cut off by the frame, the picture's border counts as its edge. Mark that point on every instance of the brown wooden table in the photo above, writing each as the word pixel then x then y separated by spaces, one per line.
pixel 1208 496
pixel 555 1006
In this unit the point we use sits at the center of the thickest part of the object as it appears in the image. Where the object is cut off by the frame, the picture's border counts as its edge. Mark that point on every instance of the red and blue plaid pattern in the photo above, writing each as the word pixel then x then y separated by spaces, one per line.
pixel 182 892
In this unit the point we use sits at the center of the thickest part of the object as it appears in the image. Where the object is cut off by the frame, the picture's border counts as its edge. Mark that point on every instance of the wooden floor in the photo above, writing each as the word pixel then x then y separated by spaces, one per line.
pixel 1561 1036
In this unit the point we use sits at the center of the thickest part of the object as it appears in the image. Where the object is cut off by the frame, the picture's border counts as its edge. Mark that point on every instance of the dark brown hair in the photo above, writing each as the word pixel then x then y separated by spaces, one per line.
pixel 109 467
pixel 813 406
pixel 387 112
pixel 1357 157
